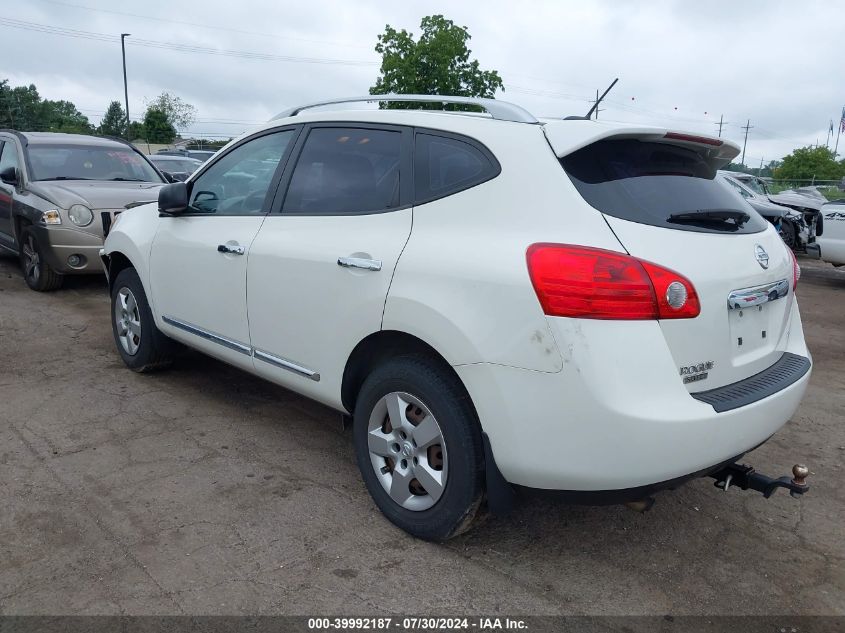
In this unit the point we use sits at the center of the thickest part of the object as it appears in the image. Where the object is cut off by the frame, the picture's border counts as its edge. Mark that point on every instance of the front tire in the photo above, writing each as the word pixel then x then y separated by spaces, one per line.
pixel 36 271
pixel 141 345
pixel 418 446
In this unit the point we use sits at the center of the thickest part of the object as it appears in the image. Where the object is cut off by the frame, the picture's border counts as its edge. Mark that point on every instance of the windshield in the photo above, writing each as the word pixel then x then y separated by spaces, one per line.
pixel 81 162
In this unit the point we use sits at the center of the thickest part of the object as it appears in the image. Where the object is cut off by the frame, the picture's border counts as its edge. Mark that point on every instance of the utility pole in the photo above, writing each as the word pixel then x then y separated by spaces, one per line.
pixel 829 133
pixel 721 123
pixel 760 171
pixel 838 130
pixel 599 99
pixel 123 36
pixel 596 104
pixel 745 127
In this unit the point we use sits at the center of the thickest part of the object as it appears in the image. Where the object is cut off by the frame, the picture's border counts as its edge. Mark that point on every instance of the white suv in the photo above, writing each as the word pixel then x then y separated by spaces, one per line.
pixel 499 302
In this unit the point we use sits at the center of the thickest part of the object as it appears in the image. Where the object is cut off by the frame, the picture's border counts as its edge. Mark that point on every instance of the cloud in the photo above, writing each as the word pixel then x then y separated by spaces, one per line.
pixel 681 64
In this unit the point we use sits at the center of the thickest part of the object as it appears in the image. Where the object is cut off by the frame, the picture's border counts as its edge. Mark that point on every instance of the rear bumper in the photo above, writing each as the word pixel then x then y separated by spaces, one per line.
pixel 60 243
pixel 616 417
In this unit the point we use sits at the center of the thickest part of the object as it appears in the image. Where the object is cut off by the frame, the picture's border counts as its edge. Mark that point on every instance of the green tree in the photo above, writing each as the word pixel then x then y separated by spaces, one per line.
pixel 62 116
pixel 179 113
pixel 810 162
pixel 22 108
pixel 437 63
pixel 114 121
pixel 136 131
pixel 157 127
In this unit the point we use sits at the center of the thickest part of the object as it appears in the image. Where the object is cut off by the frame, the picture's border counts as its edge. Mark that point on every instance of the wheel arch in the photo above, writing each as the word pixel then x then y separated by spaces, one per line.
pixel 115 262
pixel 376 348
pixel 384 344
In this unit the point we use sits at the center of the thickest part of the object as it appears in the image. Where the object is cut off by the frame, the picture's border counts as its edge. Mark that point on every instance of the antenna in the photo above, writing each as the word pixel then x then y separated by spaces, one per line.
pixel 600 99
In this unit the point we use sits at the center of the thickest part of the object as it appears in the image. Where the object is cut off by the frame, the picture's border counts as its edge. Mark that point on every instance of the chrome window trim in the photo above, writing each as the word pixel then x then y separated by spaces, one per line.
pixel 209 336
pixel 758 295
pixel 285 364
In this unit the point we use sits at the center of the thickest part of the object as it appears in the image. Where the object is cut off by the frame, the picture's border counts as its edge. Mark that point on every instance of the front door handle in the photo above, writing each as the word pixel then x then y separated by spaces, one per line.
pixel 231 250
pixel 358 262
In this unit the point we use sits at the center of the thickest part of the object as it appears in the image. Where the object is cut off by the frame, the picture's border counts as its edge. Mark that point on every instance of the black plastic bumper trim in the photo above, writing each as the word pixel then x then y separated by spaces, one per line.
pixel 789 369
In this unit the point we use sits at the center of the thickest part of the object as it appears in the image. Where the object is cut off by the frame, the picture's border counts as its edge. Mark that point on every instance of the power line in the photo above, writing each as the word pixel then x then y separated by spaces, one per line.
pixel 205 26
pixel 182 48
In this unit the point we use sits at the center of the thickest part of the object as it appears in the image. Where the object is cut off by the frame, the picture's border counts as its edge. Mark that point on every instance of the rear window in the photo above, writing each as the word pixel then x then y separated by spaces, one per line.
pixel 658 184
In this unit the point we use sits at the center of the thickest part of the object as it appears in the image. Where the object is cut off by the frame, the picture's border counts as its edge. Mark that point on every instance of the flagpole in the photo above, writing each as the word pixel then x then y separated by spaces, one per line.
pixel 838 130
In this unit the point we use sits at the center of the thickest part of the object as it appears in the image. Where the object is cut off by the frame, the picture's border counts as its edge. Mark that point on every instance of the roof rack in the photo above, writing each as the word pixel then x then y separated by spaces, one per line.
pixel 499 110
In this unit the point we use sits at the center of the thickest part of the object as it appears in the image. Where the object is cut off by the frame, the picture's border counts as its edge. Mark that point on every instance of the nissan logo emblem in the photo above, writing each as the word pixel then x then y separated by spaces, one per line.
pixel 761 256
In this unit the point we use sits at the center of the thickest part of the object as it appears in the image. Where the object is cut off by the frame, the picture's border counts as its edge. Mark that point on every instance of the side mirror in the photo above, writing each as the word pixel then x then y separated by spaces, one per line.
pixel 10 176
pixel 173 198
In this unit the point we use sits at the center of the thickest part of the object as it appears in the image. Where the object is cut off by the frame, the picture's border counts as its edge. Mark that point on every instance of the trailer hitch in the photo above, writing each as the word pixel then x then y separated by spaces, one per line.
pixel 745 478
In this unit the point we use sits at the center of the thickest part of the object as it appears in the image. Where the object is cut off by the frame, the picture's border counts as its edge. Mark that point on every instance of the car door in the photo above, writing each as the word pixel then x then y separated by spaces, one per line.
pixel 198 260
pixel 320 268
pixel 8 158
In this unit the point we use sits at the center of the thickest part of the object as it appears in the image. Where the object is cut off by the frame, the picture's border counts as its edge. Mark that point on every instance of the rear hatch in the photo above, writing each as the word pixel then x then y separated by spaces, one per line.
pixel 658 194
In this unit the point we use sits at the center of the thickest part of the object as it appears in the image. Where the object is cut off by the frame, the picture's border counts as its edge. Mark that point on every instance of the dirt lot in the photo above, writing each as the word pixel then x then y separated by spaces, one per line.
pixel 205 490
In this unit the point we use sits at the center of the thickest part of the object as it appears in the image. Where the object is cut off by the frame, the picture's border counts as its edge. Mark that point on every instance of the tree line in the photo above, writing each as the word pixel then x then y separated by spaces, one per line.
pixel 23 109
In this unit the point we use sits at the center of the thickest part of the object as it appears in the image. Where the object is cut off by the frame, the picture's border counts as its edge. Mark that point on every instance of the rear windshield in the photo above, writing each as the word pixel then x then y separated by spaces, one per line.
pixel 80 162
pixel 658 184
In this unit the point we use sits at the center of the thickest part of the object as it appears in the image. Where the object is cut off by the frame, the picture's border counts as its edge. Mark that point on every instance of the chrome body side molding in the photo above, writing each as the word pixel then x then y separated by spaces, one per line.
pixel 286 364
pixel 243 348
pixel 209 336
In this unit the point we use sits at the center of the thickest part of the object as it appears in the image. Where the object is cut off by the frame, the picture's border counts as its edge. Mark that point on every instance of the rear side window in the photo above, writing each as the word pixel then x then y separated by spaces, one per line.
pixel 346 171
pixel 446 165
pixel 658 184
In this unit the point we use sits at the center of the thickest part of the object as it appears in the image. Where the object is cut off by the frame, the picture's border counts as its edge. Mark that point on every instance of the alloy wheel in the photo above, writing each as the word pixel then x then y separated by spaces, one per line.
pixel 32 261
pixel 127 319
pixel 407 451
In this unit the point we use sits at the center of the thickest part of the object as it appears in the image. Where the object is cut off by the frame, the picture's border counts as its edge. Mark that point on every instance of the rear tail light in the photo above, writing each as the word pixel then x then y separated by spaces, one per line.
pixel 796 270
pixel 592 283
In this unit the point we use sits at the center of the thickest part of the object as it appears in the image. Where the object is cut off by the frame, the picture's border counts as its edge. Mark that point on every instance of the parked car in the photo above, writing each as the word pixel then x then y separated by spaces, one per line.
pixel 177 167
pixel 602 320
pixel 832 245
pixel 788 222
pixel 58 196
pixel 809 207
pixel 201 155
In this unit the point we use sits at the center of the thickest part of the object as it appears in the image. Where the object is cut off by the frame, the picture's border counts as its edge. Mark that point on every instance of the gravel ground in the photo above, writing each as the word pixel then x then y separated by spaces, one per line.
pixel 204 490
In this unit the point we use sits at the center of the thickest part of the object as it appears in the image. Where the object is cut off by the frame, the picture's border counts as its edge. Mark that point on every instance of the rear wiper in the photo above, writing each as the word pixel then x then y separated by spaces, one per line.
pixel 711 215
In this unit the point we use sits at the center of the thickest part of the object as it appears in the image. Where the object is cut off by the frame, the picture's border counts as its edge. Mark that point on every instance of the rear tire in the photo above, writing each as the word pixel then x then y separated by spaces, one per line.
pixel 418 446
pixel 141 345
pixel 36 271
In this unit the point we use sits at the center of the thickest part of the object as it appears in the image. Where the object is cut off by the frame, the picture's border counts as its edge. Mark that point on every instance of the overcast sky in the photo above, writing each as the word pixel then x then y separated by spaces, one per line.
pixel 680 63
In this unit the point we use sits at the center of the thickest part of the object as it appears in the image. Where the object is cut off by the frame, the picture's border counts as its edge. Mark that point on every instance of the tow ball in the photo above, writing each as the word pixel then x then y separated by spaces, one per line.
pixel 746 478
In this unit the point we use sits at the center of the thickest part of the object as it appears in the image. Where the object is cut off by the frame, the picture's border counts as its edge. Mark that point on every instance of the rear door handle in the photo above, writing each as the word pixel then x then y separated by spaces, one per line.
pixel 231 250
pixel 358 262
